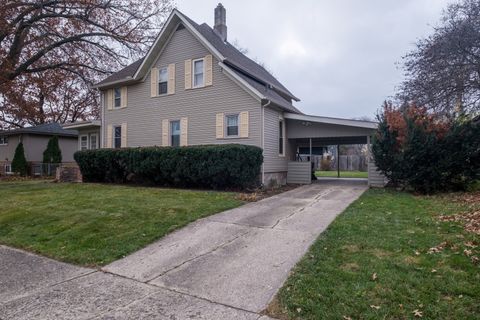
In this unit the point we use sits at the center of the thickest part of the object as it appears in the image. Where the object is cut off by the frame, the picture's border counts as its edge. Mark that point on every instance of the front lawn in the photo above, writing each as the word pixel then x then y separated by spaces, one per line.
pixel 388 256
pixel 343 174
pixel 94 224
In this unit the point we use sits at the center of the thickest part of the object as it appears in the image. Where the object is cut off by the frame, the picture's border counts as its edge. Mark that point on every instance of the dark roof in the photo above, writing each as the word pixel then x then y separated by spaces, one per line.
pixel 50 129
pixel 126 72
pixel 249 70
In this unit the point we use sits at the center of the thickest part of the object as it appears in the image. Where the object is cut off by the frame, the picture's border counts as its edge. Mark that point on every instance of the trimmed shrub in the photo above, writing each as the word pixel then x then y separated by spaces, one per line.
pixel 207 166
pixel 19 162
pixel 415 149
pixel 52 153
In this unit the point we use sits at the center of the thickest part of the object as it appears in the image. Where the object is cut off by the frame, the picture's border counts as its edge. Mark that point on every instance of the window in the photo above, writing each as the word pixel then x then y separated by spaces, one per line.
pixel 163 81
pixel 93 141
pixel 198 80
pixel 83 142
pixel 8 169
pixel 281 138
pixel 175 133
pixel 117 137
pixel 117 97
pixel 232 125
pixel 3 140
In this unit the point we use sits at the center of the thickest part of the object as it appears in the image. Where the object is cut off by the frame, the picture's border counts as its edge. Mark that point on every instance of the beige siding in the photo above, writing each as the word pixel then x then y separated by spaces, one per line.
pixel 299 172
pixel 34 146
pixel 144 114
pixel 7 151
pixel 273 161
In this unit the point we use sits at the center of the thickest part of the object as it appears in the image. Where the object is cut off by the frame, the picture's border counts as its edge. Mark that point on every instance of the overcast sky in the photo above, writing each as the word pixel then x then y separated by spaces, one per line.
pixel 339 57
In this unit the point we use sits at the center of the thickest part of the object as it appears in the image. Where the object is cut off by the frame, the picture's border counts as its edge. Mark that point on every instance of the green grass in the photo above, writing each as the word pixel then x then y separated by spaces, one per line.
pixel 94 224
pixel 343 174
pixel 388 233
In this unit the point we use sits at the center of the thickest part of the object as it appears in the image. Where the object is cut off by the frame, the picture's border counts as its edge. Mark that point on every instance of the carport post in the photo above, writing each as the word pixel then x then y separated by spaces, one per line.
pixel 311 150
pixel 338 161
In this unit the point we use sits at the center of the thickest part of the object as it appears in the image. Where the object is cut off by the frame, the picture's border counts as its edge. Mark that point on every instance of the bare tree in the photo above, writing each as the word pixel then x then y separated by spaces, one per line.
pixel 52 51
pixel 443 72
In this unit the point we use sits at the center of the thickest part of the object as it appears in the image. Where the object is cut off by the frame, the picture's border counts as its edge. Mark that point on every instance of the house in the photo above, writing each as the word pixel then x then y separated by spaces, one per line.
pixel 193 87
pixel 88 133
pixel 35 140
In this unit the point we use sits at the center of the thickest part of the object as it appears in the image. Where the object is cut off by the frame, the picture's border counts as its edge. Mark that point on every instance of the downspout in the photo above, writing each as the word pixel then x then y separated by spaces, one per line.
pixel 263 138
pixel 102 124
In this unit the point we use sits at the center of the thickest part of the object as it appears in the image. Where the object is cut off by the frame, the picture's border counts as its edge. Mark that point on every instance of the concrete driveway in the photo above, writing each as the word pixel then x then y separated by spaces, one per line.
pixel 227 266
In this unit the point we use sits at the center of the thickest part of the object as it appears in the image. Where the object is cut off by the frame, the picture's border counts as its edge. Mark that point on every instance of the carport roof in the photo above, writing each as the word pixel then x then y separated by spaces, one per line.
pixel 329 120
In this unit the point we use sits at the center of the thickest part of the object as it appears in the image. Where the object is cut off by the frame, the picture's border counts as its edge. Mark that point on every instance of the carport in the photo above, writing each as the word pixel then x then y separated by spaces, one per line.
pixel 313 133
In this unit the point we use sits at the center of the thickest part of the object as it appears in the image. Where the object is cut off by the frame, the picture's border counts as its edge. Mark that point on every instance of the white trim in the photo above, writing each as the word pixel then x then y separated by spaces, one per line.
pixel 241 82
pixel 225 121
pixel 80 142
pixel 78 125
pixel 328 120
pixel 193 73
pixel 282 120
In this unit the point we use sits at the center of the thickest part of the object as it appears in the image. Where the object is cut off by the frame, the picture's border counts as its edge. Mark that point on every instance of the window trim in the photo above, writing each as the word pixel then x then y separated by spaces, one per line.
pixel 4 140
pixel 115 98
pixel 193 73
pixel 114 137
pixel 158 82
pixel 281 136
pixel 80 142
pixel 9 165
pixel 90 141
pixel 170 136
pixel 226 135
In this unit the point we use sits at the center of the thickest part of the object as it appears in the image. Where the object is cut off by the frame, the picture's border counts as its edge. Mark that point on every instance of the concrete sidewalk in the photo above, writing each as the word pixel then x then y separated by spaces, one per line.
pixel 227 266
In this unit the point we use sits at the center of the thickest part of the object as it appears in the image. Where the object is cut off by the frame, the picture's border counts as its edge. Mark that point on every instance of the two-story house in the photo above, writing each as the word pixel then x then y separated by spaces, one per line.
pixel 193 87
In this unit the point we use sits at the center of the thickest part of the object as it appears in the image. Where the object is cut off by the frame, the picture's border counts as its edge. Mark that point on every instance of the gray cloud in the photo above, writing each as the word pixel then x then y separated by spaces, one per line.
pixel 339 57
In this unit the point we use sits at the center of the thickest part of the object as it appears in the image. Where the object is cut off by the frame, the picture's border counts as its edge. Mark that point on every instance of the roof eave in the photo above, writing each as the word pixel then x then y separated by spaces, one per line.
pixel 336 121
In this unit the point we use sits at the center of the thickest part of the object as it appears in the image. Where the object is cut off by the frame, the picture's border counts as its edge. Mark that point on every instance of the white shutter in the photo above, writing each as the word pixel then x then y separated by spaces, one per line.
pixel 171 78
pixel 124 97
pixel 219 125
pixel 208 70
pixel 188 74
pixel 123 143
pixel 244 119
pixel 165 129
pixel 154 82
pixel 184 132
pixel 109 135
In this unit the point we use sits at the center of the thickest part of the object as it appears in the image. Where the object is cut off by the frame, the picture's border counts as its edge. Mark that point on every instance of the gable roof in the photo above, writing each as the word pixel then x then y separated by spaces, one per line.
pixel 50 129
pixel 226 53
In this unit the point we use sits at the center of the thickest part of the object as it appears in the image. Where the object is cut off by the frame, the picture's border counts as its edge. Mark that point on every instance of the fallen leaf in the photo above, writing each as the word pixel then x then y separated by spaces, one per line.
pixel 417 313
pixel 299 310
pixel 374 276
pixel 374 307
pixel 434 270
pixel 346 318
pixel 417 253
pixel 470 245
pixel 467 252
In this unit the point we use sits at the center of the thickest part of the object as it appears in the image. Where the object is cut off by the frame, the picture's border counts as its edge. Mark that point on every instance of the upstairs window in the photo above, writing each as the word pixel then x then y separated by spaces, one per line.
pixel 3 140
pixel 117 97
pixel 175 133
pixel 281 138
pixel 232 125
pixel 198 73
pixel 93 141
pixel 163 81
pixel 117 137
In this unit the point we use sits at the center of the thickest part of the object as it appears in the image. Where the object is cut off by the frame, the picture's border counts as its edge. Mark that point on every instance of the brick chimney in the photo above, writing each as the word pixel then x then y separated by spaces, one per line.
pixel 221 22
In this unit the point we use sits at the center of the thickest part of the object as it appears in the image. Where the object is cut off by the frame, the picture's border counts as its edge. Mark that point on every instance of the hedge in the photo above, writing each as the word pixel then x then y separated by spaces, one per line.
pixel 206 166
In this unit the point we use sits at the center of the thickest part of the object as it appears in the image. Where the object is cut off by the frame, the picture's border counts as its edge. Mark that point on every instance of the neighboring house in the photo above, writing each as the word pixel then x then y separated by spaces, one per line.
pixel 35 140
pixel 194 87
pixel 88 134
